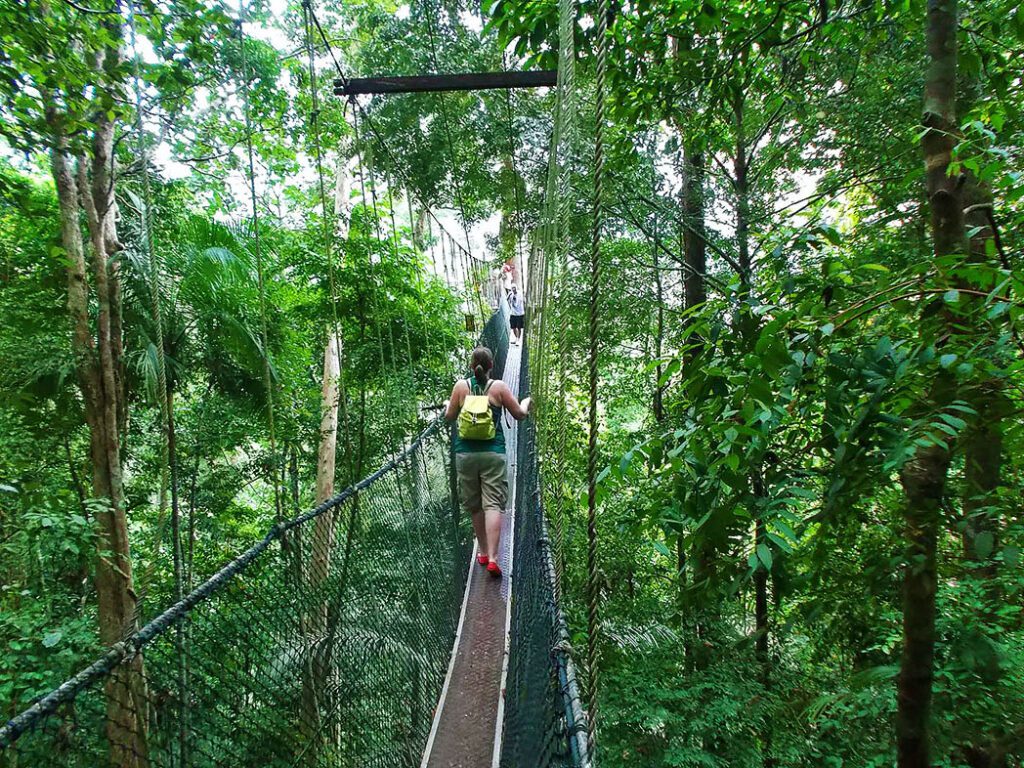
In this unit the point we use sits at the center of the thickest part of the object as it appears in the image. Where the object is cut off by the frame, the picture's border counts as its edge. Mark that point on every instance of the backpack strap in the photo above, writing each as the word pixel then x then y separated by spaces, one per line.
pixel 474 387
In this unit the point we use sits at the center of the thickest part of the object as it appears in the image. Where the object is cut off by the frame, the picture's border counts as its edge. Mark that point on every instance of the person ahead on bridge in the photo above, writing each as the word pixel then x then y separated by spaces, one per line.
pixel 517 312
pixel 480 451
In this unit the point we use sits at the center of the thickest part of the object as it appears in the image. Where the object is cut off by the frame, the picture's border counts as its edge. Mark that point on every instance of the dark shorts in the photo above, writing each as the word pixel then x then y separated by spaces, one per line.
pixel 516 321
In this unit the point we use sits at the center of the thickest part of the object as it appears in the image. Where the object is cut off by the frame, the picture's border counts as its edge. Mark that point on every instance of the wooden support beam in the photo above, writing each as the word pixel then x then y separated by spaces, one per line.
pixel 478 81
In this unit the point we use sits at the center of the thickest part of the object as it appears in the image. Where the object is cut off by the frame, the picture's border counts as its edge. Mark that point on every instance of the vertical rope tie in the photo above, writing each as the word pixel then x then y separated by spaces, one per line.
pixel 361 160
pixel 595 277
pixel 260 277
pixel 146 231
pixel 168 473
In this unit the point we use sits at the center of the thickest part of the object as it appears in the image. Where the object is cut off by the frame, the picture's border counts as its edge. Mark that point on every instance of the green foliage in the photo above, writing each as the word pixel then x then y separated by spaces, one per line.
pixel 791 400
pixel 794 397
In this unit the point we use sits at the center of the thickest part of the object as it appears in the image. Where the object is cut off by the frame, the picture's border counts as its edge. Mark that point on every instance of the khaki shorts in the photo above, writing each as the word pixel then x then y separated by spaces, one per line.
pixel 483 481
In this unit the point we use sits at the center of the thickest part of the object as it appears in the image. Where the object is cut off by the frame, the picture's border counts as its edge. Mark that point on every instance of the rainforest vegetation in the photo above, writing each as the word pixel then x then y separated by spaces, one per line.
pixel 811 366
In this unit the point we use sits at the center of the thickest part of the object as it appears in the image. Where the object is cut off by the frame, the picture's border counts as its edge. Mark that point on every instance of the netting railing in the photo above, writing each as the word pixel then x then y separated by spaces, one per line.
pixel 545 724
pixel 324 644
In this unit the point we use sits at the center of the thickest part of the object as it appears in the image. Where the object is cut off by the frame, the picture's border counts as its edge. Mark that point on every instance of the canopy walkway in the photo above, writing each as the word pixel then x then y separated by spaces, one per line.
pixel 335 639
pixel 360 633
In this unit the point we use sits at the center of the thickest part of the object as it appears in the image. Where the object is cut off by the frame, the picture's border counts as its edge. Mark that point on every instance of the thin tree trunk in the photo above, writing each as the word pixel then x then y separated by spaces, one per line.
pixel 82 577
pixel 98 362
pixel 983 457
pixel 761 575
pixel 924 476
pixel 694 234
pixel 324 528
pixel 323 534
pixel 694 246
pixel 741 185
pixel 983 442
pixel 658 405
pixel 748 333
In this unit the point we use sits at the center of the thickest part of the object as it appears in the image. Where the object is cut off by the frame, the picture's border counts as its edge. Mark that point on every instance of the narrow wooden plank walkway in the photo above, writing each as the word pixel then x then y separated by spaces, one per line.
pixel 464 728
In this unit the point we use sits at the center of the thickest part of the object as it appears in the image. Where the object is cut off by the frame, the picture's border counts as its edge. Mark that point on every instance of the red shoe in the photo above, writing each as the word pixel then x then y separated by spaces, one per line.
pixel 493 568
pixel 483 560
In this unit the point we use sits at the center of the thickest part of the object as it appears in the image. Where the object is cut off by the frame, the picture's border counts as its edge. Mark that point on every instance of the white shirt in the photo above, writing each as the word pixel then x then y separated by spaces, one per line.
pixel 515 303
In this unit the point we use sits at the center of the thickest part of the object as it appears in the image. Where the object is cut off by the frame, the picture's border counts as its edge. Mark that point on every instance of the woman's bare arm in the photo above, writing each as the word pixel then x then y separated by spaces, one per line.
pixel 455 401
pixel 512 405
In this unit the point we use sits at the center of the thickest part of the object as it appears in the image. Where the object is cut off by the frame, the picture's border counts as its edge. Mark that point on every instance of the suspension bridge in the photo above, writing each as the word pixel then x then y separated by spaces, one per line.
pixel 360 633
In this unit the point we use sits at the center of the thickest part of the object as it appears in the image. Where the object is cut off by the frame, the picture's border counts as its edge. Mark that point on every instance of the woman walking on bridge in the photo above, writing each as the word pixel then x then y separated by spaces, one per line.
pixel 477 402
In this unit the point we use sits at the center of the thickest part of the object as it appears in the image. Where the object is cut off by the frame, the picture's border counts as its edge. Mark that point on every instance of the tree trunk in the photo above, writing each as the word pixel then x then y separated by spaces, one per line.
pixel 98 359
pixel 419 229
pixel 694 292
pixel 983 442
pixel 81 578
pixel 748 327
pixel 741 185
pixel 692 208
pixel 694 233
pixel 983 455
pixel 923 479
pixel 323 530
pixel 324 527
pixel 658 405
pixel 924 476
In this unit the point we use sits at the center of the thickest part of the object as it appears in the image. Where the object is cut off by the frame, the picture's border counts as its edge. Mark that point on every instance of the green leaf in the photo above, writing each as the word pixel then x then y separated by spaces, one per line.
pixel 998 309
pixel 953 421
pixel 952 296
pixel 761 391
pixel 947 360
pixel 627 457
pixel 764 554
pixel 784 528
pixel 52 638
pixel 670 370
pixel 983 543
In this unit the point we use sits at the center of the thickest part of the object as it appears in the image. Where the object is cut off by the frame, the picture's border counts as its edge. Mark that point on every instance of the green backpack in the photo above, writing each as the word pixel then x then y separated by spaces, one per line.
pixel 475 419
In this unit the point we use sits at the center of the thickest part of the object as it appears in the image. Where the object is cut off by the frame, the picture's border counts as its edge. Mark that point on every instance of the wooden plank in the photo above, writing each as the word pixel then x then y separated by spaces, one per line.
pixel 477 81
